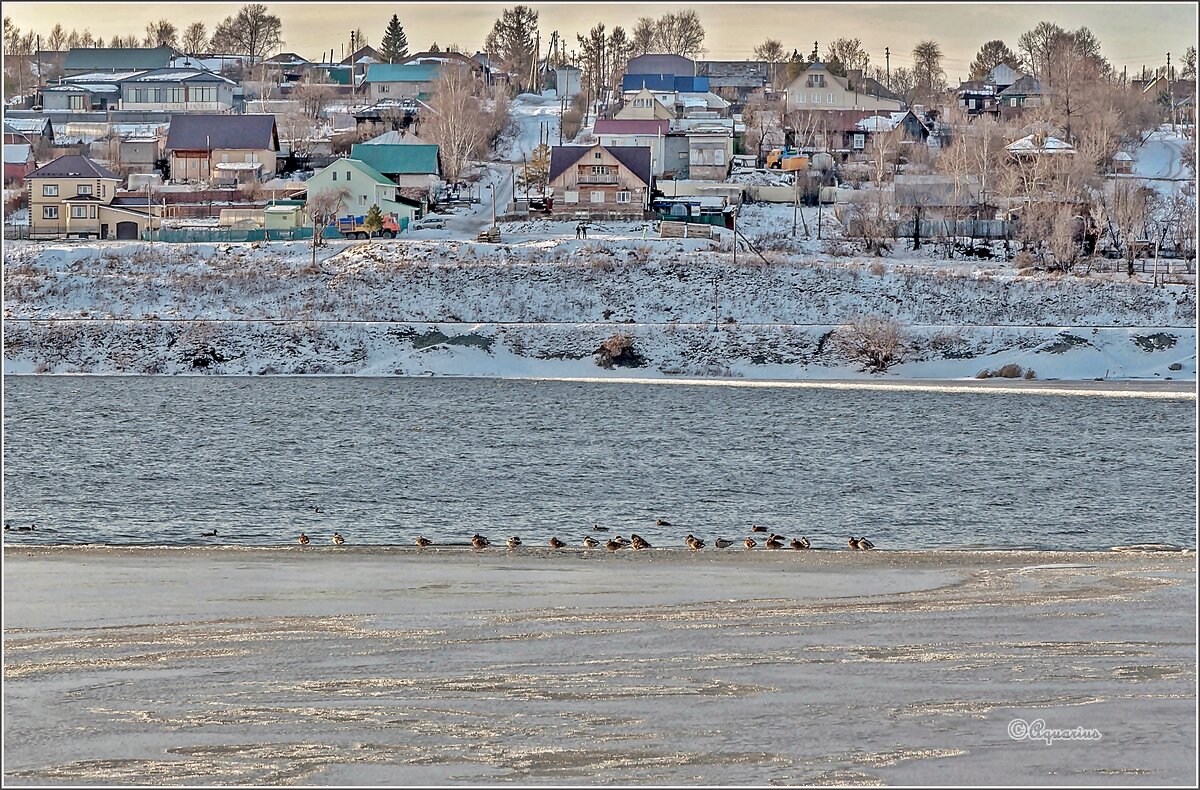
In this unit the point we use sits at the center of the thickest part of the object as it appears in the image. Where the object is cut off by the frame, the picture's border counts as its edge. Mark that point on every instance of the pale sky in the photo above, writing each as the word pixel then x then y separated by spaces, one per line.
pixel 1131 34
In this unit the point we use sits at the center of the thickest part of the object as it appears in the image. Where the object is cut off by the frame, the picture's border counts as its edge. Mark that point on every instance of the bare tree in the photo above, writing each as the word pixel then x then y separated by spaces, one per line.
pixel 927 66
pixel 195 38
pixel 323 208
pixel 844 54
pixel 252 32
pixel 313 97
pixel 680 33
pixel 876 342
pixel 771 51
pixel 57 37
pixel 162 33
pixel 457 123
pixel 643 36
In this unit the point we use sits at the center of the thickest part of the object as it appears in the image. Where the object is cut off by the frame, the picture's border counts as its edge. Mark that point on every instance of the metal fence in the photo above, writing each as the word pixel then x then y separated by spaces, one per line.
pixel 963 228
pixel 207 235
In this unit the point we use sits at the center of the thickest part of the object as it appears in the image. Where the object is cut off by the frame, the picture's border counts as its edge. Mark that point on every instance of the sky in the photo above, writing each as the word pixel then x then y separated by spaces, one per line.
pixel 1131 34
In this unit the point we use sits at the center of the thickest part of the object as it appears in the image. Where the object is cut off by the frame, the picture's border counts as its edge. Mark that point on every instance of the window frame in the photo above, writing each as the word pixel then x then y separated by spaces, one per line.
pixel 49 190
pixel 49 212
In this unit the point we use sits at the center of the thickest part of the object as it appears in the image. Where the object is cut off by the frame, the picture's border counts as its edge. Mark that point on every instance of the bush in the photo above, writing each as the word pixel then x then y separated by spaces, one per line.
pixel 876 342
pixel 878 269
pixel 1009 371
pixel 619 351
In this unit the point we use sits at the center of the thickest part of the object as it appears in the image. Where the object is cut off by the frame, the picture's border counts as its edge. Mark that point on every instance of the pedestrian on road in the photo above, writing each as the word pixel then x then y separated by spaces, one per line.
pixel 585 231
pixel 578 230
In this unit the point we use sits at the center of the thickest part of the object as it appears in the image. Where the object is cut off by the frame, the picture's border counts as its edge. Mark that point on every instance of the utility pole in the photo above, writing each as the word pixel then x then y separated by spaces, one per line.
pixel 887 58
pixel 1170 96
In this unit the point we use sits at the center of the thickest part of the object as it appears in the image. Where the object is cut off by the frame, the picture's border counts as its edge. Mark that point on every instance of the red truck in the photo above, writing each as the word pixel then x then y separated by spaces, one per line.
pixel 355 227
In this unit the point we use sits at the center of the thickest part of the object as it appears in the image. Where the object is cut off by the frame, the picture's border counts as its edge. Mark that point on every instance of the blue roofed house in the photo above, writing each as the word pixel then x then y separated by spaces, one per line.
pixel 394 81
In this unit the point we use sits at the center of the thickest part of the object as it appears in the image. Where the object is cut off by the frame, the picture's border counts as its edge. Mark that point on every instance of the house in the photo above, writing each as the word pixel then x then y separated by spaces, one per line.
pixel 392 81
pixel 644 107
pixel 35 130
pixel 598 179
pixel 178 90
pixel 365 186
pixel 616 132
pixel 284 215
pixel 82 60
pixel 74 197
pixel 361 56
pixel 130 147
pixel 1025 92
pixel 710 153
pixel 735 81
pixel 18 161
pixel 1122 163
pixel 816 88
pixel 842 133
pixel 1038 145
pixel 443 58
pixel 222 148
pixel 94 92
pixel 415 166
pixel 288 66
pixel 978 97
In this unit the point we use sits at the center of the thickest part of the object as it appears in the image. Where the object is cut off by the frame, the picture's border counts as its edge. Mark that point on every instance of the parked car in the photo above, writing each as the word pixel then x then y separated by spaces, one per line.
pixel 429 223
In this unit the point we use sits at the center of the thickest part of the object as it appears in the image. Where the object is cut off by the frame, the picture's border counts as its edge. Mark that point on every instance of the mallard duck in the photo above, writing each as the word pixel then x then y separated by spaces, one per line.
pixel 796 544
pixel 865 544
pixel 303 539
pixel 749 543
pixel 513 542
pixel 479 541
pixel 721 543
pixel 423 542
pixel 662 522
pixel 757 528
pixel 598 528
pixel 774 543
pixel 694 543
pixel 638 542
pixel 804 544
pixel 30 528
pixel 590 542
pixel 613 545
pixel 555 543
pixel 338 539
pixel 853 543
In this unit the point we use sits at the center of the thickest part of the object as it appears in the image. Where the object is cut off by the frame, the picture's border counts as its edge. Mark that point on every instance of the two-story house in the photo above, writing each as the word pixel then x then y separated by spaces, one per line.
pixel 643 106
pixel 222 148
pixel 364 187
pixel 74 197
pixel 600 180
pixel 394 81
pixel 816 88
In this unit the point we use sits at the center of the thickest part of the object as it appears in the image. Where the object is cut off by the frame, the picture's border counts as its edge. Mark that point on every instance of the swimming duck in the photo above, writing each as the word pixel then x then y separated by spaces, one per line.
pixel 613 545
pixel 479 541
pixel 774 542
pixel 212 534
pixel 423 542
pixel 721 543
pixel 30 528
pixel 865 544
pixel 513 542
pixel 749 543
pixel 7 527
pixel 662 522
pixel 555 543
pixel 804 544
pixel 303 539
pixel 598 528
pixel 638 542
pixel 694 543
pixel 338 539
pixel 757 528
pixel 590 542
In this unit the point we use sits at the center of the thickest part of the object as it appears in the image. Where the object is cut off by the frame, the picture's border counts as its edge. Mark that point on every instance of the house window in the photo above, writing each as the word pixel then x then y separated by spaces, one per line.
pixel 224 157
pixel 102 189
pixel 77 102
pixel 204 94
pixel 92 212
pixel 598 155
pixel 49 212
pixel 79 212
pixel 816 98
pixel 1012 102
pixel 49 190
pixel 597 197
pixel 800 98
pixel 816 80
pixel 383 88
pixel 719 156
pixel 830 99
pixel 683 154
pixel 571 196
pixel 173 95
pixel 83 189
pixel 623 197
pixel 335 175
pixel 362 200
pixel 348 174
pixel 859 141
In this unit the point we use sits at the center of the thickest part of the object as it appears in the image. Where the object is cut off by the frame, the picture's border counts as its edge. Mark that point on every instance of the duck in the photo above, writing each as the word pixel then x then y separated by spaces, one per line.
pixel 513 542
pixel 865 544
pixel 613 544
pixel 555 543
pixel 303 539
pixel 338 539
pixel 853 543
pixel 317 509
pixel 721 543
pixel 749 543
pixel 796 544
pixel 638 542
pixel 804 544
pixel 694 543
pixel 774 542
pixel 662 522
pixel 212 534
pixel 7 527
pixel 479 541
pixel 757 528
pixel 423 541
pixel 30 528
pixel 598 528
pixel 590 542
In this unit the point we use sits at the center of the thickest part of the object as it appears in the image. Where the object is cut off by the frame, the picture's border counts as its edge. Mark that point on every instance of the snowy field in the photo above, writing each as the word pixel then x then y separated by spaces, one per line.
pixel 357 666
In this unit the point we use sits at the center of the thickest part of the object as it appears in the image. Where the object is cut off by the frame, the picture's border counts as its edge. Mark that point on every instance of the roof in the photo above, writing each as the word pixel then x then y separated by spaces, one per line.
pixel 28 125
pixel 1049 145
pixel 204 131
pixel 239 165
pixel 105 59
pixel 1120 157
pixel 363 52
pixel 286 58
pixel 73 167
pixel 394 137
pixel 840 120
pixel 398 158
pixel 16 153
pixel 84 87
pixel 635 158
pixel 395 72
pixel 1025 86
pixel 630 126
pixel 734 73
pixel 104 76
pixel 873 87
pixel 178 75
pixel 935 190
pixel 675 65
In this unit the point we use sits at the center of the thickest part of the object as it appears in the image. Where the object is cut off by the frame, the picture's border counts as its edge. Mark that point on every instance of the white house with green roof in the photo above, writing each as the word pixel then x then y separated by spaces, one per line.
pixel 395 81
pixel 366 187
pixel 409 166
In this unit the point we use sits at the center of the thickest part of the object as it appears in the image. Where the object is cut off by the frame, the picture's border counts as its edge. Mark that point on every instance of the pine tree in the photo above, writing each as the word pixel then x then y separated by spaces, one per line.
pixel 395 43
pixel 374 220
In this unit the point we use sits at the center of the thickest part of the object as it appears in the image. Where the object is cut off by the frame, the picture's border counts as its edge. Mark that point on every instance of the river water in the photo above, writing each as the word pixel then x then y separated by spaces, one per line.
pixel 163 460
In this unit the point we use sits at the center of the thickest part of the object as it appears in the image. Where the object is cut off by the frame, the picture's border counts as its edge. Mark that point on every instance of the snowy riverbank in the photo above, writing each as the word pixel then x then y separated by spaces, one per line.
pixel 542 305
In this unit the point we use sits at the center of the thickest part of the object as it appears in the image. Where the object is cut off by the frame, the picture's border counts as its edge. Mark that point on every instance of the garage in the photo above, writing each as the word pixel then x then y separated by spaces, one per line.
pixel 127 230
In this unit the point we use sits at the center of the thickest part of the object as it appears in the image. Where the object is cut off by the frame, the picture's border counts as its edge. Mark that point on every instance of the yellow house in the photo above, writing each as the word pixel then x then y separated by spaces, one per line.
pixel 816 88
pixel 644 107
pixel 73 197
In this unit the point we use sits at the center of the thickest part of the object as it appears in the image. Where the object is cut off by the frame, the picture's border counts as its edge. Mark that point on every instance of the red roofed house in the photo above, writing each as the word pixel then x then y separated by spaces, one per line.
pixel 600 179
pixel 652 134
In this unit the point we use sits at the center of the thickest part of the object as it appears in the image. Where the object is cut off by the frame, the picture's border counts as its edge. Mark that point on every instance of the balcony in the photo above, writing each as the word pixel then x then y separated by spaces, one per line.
pixel 598 178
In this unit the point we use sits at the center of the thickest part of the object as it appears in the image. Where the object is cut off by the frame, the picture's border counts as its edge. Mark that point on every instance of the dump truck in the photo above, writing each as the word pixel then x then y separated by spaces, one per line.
pixel 786 159
pixel 355 227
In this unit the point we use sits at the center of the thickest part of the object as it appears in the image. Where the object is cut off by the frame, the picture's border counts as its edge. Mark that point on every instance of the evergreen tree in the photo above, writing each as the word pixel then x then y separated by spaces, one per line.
pixel 374 220
pixel 395 43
